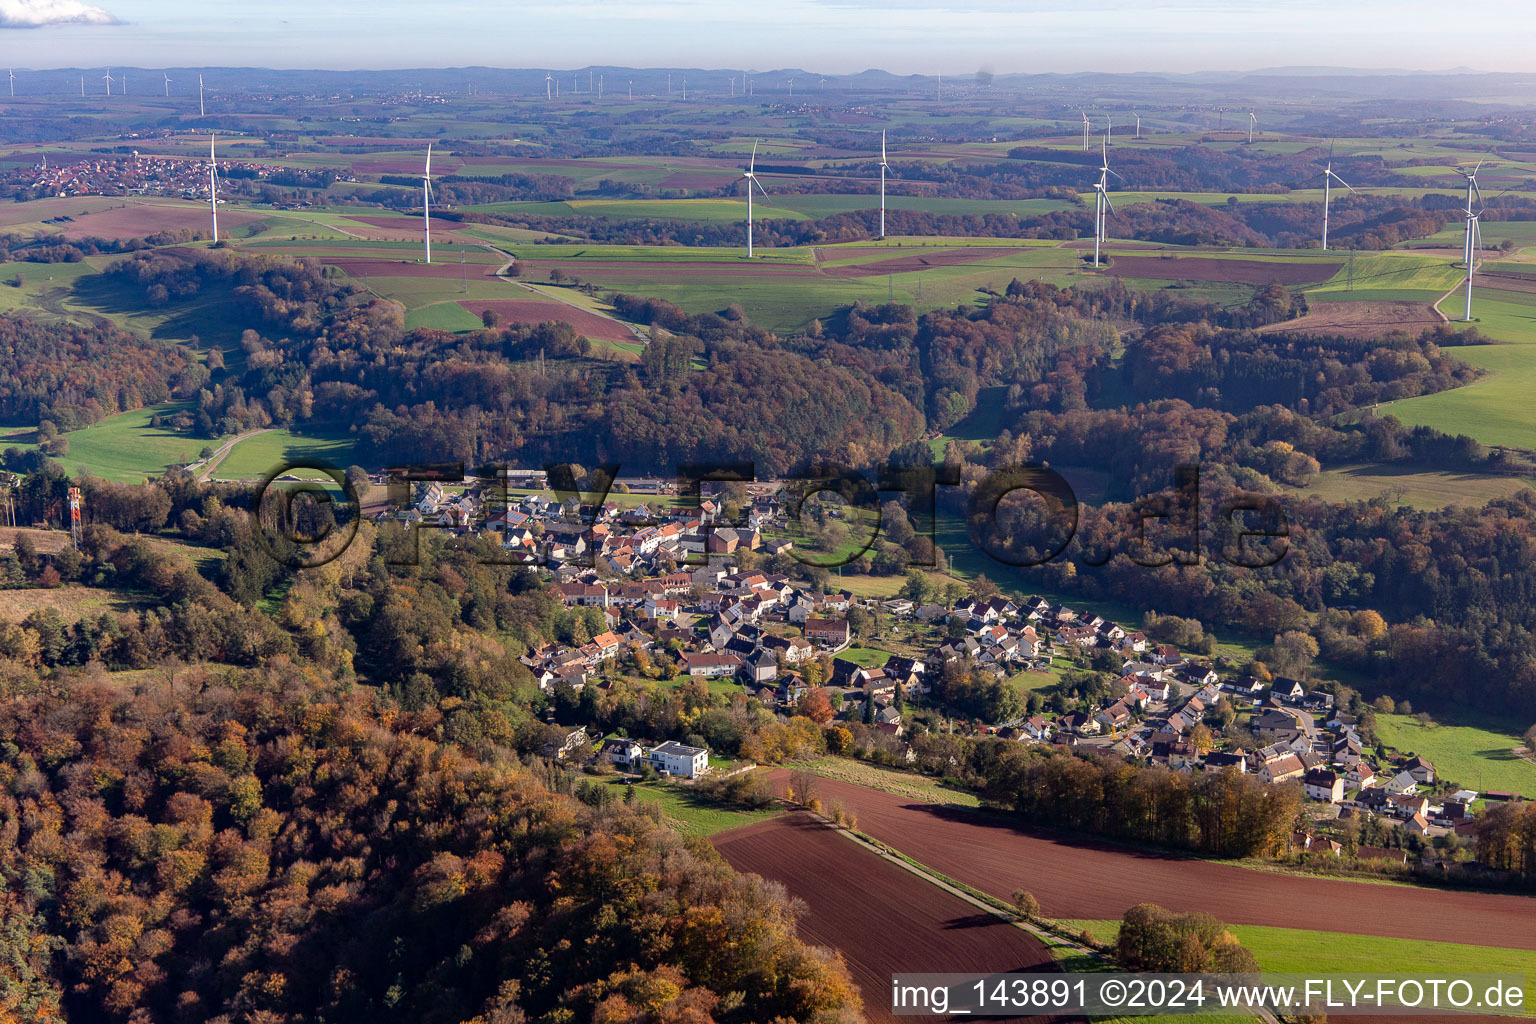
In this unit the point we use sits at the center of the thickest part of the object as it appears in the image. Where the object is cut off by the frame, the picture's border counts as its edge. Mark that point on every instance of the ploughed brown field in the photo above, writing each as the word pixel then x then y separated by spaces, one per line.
pixel 951 256
pixel 882 917
pixel 1187 268
pixel 1083 879
pixel 139 219
pixel 1362 319
pixel 538 311
pixel 408 224
pixel 402 266
pixel 653 269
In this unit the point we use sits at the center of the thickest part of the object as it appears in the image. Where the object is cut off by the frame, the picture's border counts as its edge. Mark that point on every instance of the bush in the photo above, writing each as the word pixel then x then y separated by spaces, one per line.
pixel 1156 939
pixel 1025 904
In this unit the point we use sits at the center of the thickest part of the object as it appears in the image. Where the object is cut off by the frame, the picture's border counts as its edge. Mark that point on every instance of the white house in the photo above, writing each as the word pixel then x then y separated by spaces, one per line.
pixel 679 759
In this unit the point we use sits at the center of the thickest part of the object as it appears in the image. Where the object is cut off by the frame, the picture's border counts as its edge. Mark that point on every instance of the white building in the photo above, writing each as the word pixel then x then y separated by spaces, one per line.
pixel 679 759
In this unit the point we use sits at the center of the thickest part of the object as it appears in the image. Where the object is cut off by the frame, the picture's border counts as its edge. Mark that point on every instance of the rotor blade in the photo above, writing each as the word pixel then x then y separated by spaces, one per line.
pixel 1346 184
pixel 1477 191
pixel 1109 204
pixel 762 190
pixel 882 145
pixel 751 166
pixel 1116 173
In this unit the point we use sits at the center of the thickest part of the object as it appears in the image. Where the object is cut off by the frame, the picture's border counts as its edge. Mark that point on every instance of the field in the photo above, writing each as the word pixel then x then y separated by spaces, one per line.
pixel 1427 489
pixel 257 456
pixel 847 888
pixel 1293 951
pixel 1081 878
pixel 535 311
pixel 126 449
pixel 1479 756
pixel 1240 271
pixel 691 814
pixel 1362 319
pixel 72 603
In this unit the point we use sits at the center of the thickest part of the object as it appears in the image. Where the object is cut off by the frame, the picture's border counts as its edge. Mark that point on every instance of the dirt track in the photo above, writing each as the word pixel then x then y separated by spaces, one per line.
pixel 402 267
pixel 1081 879
pixel 951 256
pixel 883 918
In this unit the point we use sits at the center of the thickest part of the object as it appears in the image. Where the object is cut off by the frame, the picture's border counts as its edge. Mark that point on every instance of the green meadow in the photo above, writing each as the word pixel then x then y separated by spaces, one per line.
pixel 1476 753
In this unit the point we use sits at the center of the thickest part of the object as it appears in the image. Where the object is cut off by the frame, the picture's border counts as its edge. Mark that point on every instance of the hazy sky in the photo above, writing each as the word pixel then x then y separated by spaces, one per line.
pixel 833 36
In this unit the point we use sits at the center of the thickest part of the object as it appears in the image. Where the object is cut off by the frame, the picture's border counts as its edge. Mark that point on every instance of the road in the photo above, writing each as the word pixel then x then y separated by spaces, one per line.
pixel 204 468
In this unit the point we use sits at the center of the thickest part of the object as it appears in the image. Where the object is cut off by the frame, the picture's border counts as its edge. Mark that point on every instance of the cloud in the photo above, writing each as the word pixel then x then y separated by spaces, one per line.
pixel 38 13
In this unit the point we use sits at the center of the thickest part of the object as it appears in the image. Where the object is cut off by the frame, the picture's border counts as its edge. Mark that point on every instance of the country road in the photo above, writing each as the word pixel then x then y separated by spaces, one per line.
pixel 203 469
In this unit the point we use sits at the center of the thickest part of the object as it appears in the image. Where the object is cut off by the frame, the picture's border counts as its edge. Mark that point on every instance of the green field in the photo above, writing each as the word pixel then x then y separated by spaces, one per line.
pixel 255 457
pixel 126 449
pixel 690 813
pixel 1476 753
pixel 1292 951
pixel 889 780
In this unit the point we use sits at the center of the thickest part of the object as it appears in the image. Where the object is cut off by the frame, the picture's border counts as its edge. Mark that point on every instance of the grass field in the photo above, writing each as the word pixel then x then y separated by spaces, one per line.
pixel 73 602
pixel 1291 951
pixel 1476 753
pixel 1428 489
pixel 257 456
pixel 690 813
pixel 126 449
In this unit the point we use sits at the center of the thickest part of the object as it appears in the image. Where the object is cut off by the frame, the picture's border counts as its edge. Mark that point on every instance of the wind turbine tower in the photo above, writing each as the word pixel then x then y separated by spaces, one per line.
pixel 1474 239
pixel 108 77
pixel 167 83
pixel 13 84
pixel 883 166
pixel 1252 121
pixel 1328 179
pixel 426 204
pixel 548 88
pixel 1109 129
pixel 1101 203
pixel 201 111
pixel 1138 126
pixel 750 177
pixel 1085 131
pixel 213 188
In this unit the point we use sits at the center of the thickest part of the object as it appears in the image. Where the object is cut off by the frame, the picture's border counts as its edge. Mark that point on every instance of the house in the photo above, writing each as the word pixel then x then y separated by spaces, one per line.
pixel 1322 784
pixel 625 753
pixel 828 632
pixel 1406 805
pixel 1037 728
pixel 759 669
pixel 1422 771
pixel 1282 769
pixel 1402 784
pixel 679 759
pixel 1361 775
pixel 1079 723
pixel 1116 716
pixel 709 666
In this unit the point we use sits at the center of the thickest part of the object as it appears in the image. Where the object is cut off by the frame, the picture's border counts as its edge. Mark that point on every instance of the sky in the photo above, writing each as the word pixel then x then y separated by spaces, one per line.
pixel 827 36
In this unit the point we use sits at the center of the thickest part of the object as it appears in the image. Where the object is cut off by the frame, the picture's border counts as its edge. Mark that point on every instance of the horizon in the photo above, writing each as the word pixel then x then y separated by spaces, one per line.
pixel 911 37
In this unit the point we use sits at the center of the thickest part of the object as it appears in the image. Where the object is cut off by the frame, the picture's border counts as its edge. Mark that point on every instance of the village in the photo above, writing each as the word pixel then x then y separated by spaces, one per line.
pixel 671 582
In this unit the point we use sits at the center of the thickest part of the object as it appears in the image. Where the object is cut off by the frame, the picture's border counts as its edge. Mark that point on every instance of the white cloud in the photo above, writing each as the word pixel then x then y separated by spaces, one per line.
pixel 37 13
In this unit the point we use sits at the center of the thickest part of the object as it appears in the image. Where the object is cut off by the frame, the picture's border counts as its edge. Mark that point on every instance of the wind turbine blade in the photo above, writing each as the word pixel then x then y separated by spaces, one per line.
pixel 882 145
pixel 1477 191
pixel 1108 203
pixel 428 171
pixel 1116 173
pixel 753 165
pixel 762 190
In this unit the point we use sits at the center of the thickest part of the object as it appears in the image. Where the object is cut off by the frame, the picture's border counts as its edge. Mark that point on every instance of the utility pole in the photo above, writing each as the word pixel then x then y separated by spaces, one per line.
pixel 74 517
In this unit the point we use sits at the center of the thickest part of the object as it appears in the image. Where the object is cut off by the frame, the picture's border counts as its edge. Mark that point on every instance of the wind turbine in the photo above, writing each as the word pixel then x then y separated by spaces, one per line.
pixel 201 111
pixel 1473 243
pixel 631 89
pixel 426 204
pixel 941 87
pixel 1101 203
pixel 167 83
pixel 751 179
pixel 883 166
pixel 791 88
pixel 213 188
pixel 108 77
pixel 1328 179
pixel 685 88
pixel 1085 131
pixel 13 83
pixel 1252 121
pixel 733 85
pixel 599 86
pixel 82 87
pixel 1109 129
pixel 1138 126
pixel 548 93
